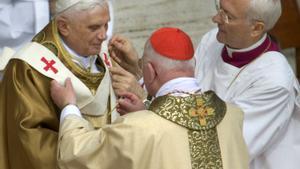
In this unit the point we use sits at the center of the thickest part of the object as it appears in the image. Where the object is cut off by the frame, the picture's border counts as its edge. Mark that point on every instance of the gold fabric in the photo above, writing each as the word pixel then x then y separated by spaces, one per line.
pixel 29 120
pixel 146 140
pixel 200 114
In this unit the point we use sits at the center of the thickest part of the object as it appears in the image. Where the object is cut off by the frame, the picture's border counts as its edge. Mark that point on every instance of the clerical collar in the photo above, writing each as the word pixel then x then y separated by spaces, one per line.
pixel 84 62
pixel 241 57
pixel 255 45
pixel 186 84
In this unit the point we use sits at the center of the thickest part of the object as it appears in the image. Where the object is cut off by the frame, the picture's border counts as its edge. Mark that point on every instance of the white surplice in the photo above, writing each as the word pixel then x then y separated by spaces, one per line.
pixel 266 90
pixel 20 20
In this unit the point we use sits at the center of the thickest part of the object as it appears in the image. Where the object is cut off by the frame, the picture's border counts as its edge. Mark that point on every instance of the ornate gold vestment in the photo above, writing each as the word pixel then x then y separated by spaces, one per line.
pixel 200 114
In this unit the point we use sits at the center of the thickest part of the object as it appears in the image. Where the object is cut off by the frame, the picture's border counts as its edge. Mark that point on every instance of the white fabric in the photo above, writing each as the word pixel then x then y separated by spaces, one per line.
pixel 266 91
pixel 185 84
pixel 111 22
pixel 84 62
pixel 20 20
pixel 62 5
pixel 69 110
pixel 5 56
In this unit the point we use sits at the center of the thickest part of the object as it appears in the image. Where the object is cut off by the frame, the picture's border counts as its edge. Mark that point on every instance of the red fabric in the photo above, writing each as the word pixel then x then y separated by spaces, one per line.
pixel 240 59
pixel 172 43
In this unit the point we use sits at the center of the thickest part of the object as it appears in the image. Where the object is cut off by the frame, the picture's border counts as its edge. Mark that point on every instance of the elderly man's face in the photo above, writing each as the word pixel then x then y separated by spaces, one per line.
pixel 234 26
pixel 88 31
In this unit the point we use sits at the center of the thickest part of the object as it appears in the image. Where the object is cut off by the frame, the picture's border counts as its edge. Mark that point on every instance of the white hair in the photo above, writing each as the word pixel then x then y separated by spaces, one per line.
pixel 71 7
pixel 267 11
pixel 167 63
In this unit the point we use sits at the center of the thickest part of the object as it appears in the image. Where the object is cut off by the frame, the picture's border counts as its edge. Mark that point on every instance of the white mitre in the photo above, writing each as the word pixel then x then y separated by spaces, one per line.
pixel 62 5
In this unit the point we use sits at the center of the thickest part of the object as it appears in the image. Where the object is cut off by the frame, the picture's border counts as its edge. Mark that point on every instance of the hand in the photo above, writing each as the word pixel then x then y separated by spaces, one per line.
pixel 129 102
pixel 123 80
pixel 123 52
pixel 63 95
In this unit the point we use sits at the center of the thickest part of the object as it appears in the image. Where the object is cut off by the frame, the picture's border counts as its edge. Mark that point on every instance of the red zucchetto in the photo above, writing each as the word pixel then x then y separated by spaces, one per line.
pixel 172 43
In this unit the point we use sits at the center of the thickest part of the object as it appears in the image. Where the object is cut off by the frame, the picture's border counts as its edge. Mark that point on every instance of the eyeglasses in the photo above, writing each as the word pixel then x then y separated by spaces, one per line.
pixel 221 12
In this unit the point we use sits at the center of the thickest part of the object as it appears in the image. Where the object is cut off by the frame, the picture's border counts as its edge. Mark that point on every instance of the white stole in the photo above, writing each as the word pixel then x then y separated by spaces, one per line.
pixel 37 56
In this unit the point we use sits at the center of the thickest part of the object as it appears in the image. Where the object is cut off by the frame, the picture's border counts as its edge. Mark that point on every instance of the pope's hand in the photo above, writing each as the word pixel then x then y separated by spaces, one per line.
pixel 129 102
pixel 123 52
pixel 63 95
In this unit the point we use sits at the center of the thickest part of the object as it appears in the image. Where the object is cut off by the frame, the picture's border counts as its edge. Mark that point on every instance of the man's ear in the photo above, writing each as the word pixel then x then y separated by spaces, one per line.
pixel 63 26
pixel 258 28
pixel 151 72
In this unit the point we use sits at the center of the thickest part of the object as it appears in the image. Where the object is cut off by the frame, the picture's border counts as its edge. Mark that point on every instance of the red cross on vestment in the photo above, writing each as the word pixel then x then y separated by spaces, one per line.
pixel 106 61
pixel 49 65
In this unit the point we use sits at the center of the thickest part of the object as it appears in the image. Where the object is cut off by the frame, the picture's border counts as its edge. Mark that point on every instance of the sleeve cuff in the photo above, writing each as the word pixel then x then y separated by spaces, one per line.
pixel 69 110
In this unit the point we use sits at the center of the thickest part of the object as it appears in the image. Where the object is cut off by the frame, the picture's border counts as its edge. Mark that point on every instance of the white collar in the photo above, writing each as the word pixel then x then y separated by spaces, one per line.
pixel 84 62
pixel 185 84
pixel 255 45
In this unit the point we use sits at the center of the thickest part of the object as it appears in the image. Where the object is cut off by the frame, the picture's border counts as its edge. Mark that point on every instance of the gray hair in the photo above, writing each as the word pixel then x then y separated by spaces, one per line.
pixel 75 6
pixel 167 63
pixel 267 11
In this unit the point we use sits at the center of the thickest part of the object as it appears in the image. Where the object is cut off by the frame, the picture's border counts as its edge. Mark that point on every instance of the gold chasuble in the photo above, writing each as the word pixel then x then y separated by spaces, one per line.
pixel 29 119
pixel 200 115
pixel 199 131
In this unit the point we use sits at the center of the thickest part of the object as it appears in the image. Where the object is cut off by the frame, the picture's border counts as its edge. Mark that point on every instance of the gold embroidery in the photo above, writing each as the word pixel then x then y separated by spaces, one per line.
pixel 201 111
pixel 205 149
pixel 39 37
pixel 51 46
pixel 200 114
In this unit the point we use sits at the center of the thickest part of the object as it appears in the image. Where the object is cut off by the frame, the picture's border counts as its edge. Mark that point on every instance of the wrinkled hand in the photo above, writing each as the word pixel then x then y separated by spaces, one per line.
pixel 63 95
pixel 129 102
pixel 123 52
pixel 123 81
